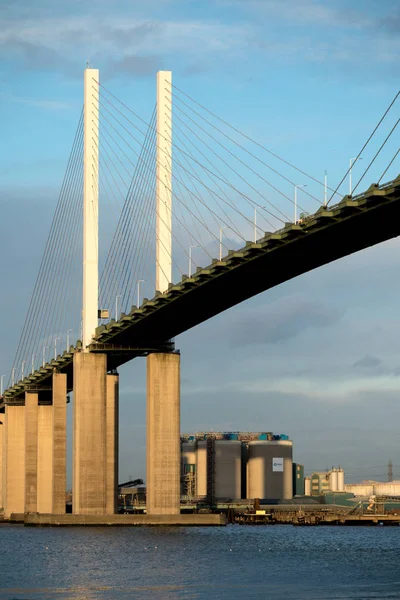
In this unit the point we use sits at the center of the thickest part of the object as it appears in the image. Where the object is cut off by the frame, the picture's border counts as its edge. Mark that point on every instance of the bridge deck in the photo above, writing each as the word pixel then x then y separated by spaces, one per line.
pixel 329 234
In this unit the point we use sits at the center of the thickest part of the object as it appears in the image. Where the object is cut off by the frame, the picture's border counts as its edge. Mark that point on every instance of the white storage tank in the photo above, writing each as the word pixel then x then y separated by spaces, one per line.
pixel 227 469
pixel 201 469
pixel 307 486
pixel 333 480
pixel 340 475
pixel 269 470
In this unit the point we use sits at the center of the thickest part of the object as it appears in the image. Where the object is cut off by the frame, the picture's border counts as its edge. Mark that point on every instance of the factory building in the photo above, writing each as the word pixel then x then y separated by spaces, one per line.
pixel 298 480
pixel 326 481
pixel 234 466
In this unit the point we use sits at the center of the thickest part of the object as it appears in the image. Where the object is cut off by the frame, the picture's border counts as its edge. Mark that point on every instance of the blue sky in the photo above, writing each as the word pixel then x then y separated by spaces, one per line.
pixel 316 358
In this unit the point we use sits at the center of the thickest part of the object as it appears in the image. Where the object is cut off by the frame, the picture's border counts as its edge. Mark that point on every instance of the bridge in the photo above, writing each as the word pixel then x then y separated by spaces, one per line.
pixel 33 405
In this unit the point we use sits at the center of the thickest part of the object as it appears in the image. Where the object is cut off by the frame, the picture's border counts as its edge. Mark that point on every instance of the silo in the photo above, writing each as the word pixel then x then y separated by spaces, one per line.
pixel 307 486
pixel 201 469
pixel 269 470
pixel 188 456
pixel 228 469
pixel 333 480
pixel 340 474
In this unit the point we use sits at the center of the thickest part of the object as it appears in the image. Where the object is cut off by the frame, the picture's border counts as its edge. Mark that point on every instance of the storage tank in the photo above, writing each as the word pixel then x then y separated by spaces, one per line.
pixel 307 486
pixel 340 475
pixel 201 469
pixel 269 470
pixel 227 469
pixel 333 480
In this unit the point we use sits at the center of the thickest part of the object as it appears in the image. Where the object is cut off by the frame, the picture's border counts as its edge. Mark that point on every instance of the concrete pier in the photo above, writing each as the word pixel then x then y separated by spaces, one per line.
pixel 31 450
pixel 163 434
pixel 112 450
pixel 45 460
pixel 59 443
pixel 89 434
pixel 2 456
pixel 14 468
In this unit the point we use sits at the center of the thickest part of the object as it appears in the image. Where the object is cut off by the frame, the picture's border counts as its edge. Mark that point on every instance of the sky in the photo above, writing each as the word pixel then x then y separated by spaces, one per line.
pixel 316 358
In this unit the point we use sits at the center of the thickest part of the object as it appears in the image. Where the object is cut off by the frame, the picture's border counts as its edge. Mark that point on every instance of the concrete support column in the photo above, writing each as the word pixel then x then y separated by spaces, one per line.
pixel 112 416
pixel 59 443
pixel 2 456
pixel 45 459
pixel 31 450
pixel 89 434
pixel 14 475
pixel 163 434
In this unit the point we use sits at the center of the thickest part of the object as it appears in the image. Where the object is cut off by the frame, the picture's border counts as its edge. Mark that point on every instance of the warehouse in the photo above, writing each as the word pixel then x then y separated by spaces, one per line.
pixel 228 466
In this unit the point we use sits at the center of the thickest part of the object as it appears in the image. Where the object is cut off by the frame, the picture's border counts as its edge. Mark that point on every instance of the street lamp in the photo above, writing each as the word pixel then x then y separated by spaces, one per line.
pixel 22 369
pixel 295 199
pixel 1 384
pixel 68 332
pixel 190 259
pixel 255 222
pixel 220 242
pixel 13 376
pixel 116 306
pixel 326 188
pixel 138 291
pixel 33 363
pixel 44 355
pixel 55 347
pixel 352 161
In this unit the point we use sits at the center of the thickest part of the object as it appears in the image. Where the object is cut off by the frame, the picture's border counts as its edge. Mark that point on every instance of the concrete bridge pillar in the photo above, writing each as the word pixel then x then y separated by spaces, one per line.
pixel 59 444
pixel 14 457
pixel 163 434
pixel 31 450
pixel 2 456
pixel 94 435
pixel 44 459
pixel 112 450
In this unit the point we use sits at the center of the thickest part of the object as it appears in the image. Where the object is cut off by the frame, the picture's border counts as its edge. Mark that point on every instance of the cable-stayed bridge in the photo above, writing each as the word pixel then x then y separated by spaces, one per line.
pixel 184 207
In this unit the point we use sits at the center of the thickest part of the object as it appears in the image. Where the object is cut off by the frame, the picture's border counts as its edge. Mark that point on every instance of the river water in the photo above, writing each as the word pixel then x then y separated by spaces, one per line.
pixel 233 562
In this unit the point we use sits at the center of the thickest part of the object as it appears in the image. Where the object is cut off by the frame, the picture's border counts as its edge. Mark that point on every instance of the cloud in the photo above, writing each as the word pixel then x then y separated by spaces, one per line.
pixel 42 103
pixel 34 56
pixel 134 65
pixel 368 362
pixel 281 320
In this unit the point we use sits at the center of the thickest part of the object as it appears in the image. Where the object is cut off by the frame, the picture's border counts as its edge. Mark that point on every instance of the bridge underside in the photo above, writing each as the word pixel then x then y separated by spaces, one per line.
pixel 328 235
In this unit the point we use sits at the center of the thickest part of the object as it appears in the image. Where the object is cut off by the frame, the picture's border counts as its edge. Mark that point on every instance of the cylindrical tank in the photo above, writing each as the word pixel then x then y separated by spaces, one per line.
pixel 333 480
pixel 307 486
pixel 201 469
pixel 340 475
pixel 269 470
pixel 188 455
pixel 228 471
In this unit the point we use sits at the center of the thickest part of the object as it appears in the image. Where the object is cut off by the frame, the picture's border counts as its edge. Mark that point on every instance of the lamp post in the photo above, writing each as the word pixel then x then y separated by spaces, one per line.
pixel 22 369
pixel 299 185
pixel 44 355
pixel 255 222
pixel 68 332
pixel 190 259
pixel 220 242
pixel 116 306
pixel 326 188
pixel 352 161
pixel 138 291
pixel 13 376
pixel 55 347
pixel 33 363
pixel 1 384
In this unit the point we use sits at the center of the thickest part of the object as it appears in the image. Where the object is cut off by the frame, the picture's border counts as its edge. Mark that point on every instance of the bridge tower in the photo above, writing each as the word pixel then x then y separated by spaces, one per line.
pixel 163 369
pixel 95 419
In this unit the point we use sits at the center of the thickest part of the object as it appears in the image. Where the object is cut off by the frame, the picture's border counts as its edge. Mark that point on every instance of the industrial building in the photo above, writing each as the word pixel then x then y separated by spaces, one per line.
pixel 323 482
pixel 374 488
pixel 236 465
pixel 298 479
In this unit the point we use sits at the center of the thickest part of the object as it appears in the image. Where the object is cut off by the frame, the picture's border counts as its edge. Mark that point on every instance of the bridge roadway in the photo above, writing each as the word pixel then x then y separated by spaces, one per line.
pixel 327 235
